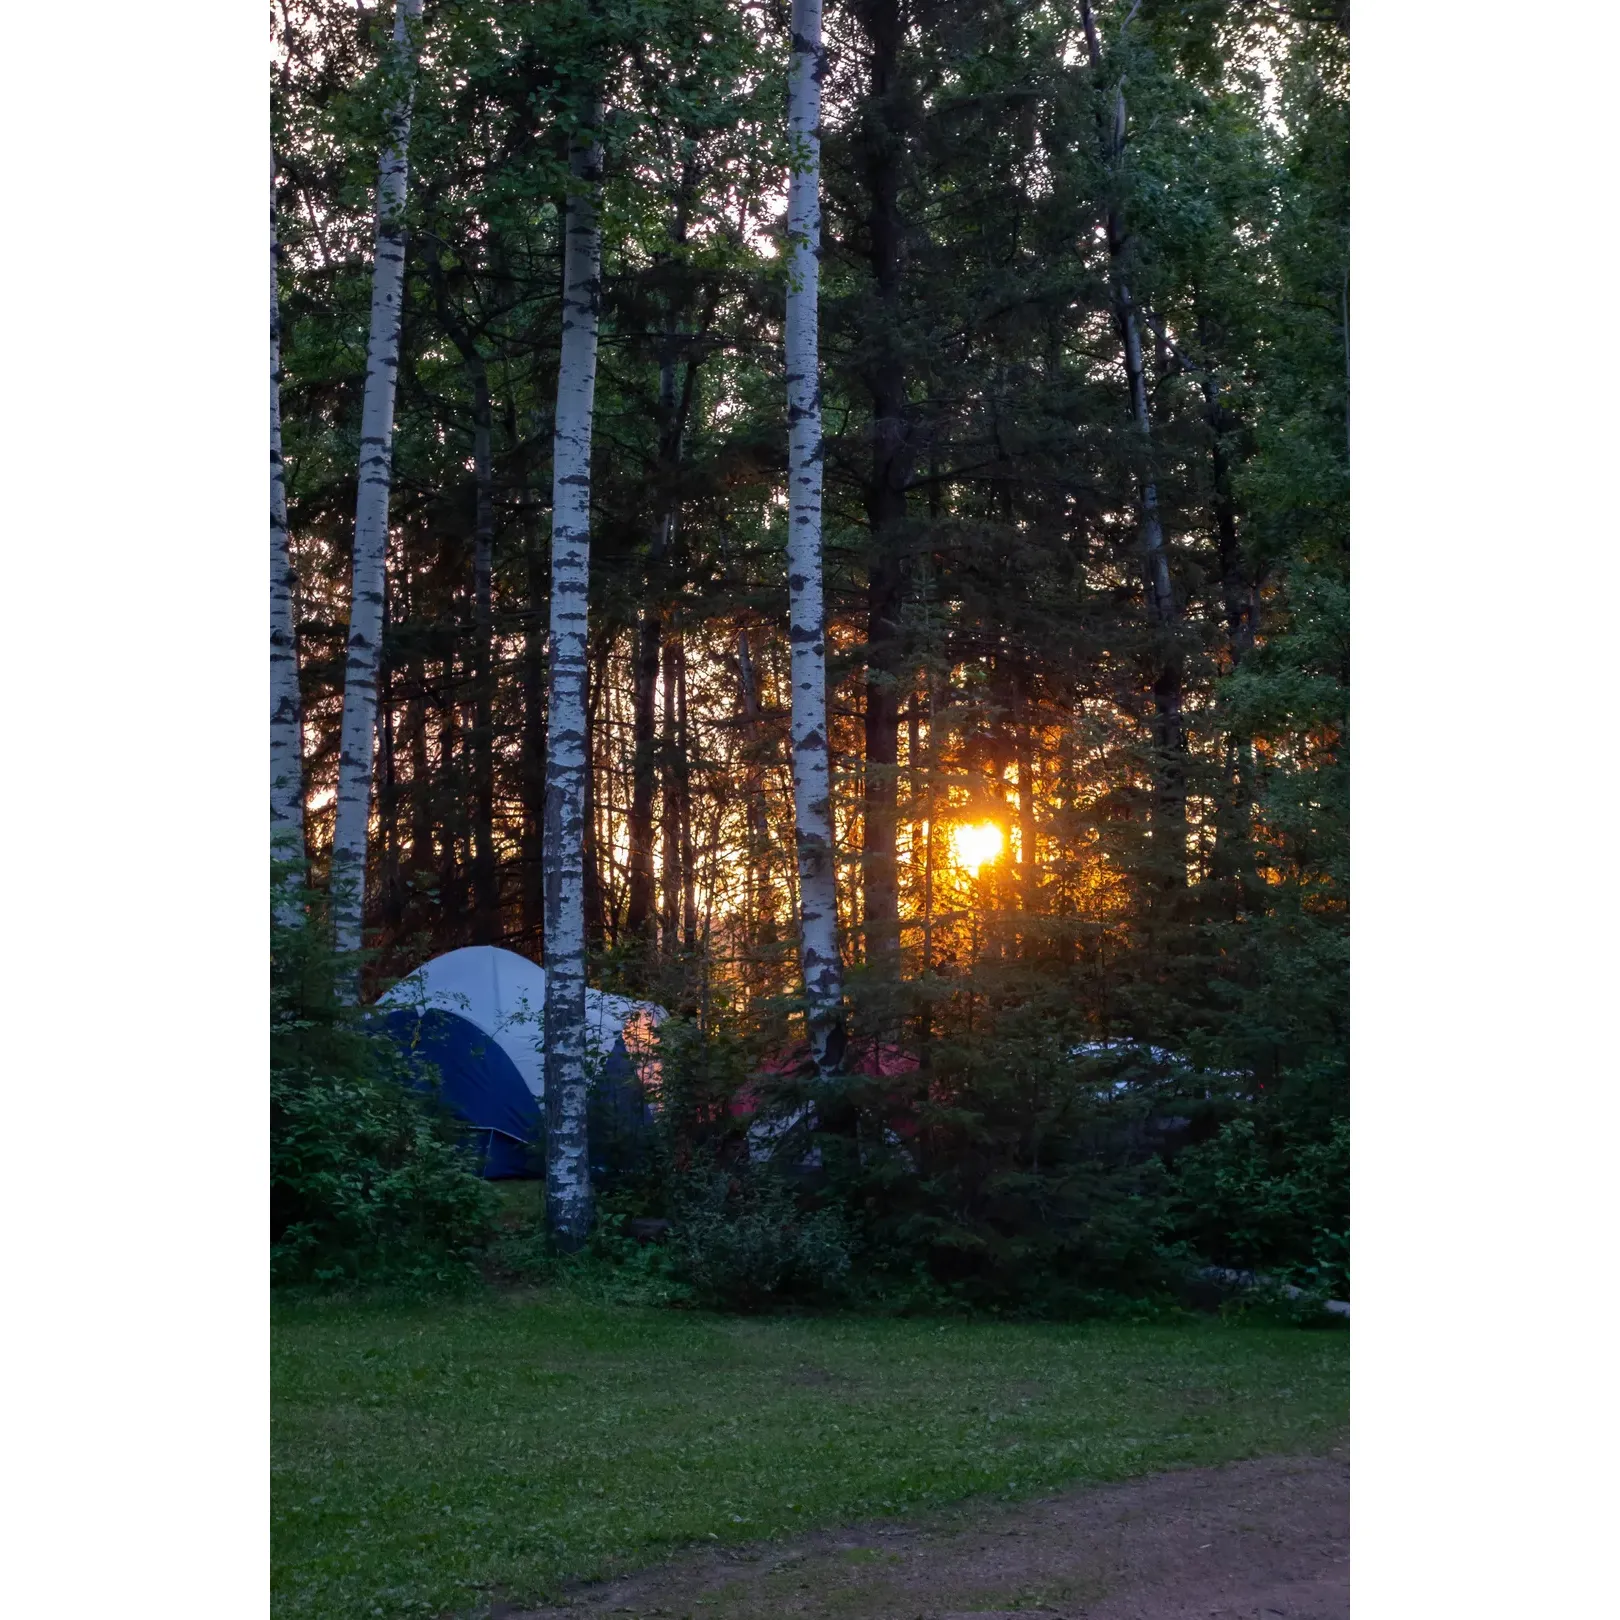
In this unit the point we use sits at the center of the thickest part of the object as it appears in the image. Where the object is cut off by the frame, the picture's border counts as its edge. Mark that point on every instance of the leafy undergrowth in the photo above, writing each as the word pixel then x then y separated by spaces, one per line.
pixel 429 1458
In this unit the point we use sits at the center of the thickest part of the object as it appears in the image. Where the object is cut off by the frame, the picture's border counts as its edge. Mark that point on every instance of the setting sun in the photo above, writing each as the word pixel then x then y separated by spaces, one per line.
pixel 976 844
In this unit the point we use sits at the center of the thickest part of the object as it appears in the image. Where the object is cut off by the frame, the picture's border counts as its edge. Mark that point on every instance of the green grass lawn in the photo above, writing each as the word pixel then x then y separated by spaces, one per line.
pixel 427 1458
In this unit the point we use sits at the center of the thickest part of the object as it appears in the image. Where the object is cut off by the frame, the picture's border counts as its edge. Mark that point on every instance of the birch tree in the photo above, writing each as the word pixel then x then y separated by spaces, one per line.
pixel 371 506
pixel 568 1174
pixel 286 743
pixel 812 783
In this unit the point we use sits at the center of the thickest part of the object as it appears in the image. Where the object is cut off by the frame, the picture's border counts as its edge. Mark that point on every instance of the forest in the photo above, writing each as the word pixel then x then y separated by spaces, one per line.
pixel 835 524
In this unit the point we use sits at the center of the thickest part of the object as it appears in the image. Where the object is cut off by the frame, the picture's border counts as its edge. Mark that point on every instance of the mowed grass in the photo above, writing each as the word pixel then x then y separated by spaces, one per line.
pixel 428 1459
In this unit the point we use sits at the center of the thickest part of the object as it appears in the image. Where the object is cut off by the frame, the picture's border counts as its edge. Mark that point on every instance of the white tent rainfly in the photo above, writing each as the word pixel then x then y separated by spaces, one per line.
pixel 504 995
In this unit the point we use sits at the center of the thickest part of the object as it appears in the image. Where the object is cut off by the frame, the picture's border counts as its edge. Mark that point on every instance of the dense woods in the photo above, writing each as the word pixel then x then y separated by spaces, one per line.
pixel 983 438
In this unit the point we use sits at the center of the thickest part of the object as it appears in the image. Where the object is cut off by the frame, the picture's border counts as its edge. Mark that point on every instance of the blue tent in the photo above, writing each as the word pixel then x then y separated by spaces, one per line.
pixel 476 1081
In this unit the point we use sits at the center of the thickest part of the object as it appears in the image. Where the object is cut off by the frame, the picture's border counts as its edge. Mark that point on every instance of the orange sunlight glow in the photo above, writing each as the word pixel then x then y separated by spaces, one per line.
pixel 976 844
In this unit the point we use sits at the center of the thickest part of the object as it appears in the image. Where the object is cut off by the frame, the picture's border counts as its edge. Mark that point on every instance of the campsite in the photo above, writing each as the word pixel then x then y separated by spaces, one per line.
pixel 809 798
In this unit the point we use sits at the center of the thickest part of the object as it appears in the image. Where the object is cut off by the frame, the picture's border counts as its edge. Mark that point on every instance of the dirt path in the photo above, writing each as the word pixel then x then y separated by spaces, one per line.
pixel 1250 1541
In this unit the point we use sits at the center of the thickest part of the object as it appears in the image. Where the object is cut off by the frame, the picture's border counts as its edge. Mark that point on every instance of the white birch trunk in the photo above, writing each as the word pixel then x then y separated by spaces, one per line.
pixel 371 512
pixel 568 1172
pixel 812 785
pixel 286 732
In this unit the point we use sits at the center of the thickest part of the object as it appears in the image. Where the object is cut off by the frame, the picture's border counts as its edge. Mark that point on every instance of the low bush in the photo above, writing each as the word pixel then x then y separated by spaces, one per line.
pixel 743 1241
pixel 1255 1197
pixel 369 1181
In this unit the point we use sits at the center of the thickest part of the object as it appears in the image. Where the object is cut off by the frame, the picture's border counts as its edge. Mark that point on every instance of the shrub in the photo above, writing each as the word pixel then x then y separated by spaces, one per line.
pixel 743 1242
pixel 1010 1173
pixel 369 1181
pixel 1254 1197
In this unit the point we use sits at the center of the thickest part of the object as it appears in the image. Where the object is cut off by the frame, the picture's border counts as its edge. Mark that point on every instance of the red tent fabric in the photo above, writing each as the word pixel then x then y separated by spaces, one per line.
pixel 871 1058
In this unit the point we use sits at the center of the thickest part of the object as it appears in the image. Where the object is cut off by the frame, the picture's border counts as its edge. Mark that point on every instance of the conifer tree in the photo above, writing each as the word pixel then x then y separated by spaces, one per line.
pixel 1169 735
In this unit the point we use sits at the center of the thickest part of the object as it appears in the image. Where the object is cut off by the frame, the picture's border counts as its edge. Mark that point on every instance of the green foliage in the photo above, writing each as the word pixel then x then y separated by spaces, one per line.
pixel 368 1182
pixel 612 1268
pixel 1025 1187
pixel 365 1187
pixel 1004 1175
pixel 1009 1176
pixel 1257 1199
pixel 744 1242
pixel 1022 1173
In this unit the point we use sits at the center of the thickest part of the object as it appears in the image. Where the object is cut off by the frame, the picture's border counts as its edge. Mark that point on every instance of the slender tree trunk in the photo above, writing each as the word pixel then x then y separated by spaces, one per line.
pixel 885 503
pixel 451 808
pixel 371 516
pixel 670 908
pixel 393 896
pixel 568 1173
pixel 931 812
pixel 534 757
pixel 286 724
pixel 1237 592
pixel 486 905
pixel 644 777
pixel 880 871
pixel 683 784
pixel 1169 735
pixel 596 922
pixel 486 880
pixel 674 408
pixel 531 767
pixel 649 647
pixel 1233 859
pixel 421 813
pixel 759 836
pixel 1024 755
pixel 812 786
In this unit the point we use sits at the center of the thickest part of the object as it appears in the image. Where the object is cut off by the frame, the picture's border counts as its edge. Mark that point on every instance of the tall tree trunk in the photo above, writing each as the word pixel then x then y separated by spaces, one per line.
pixel 931 815
pixel 812 786
pixel 1169 735
pixel 568 1172
pixel 534 757
pixel 669 915
pixel 759 835
pixel 649 636
pixel 486 880
pixel 674 408
pixel 644 777
pixel 596 919
pixel 1024 755
pixel 683 787
pixel 451 812
pixel 371 514
pixel 885 502
pixel 1232 861
pixel 1233 857
pixel 1237 592
pixel 286 725
pixel 393 895
pixel 486 903
pixel 421 810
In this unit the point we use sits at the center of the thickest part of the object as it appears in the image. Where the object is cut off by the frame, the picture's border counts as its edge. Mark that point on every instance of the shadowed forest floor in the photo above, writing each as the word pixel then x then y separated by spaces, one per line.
pixel 1248 1541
